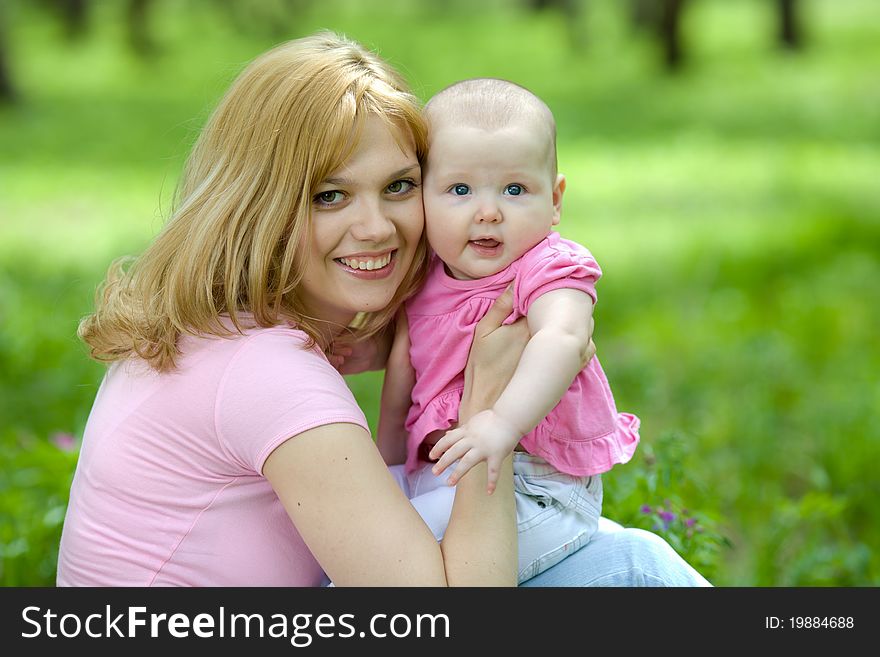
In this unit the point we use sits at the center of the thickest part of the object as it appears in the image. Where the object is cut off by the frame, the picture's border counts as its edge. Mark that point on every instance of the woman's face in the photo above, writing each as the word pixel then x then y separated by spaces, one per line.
pixel 367 219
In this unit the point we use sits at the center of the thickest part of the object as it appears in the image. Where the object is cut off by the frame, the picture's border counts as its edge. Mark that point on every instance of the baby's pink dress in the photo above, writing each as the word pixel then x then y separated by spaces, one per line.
pixel 584 434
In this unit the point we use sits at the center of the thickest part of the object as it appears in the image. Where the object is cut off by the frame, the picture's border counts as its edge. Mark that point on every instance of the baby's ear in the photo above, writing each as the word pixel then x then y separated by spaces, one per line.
pixel 558 191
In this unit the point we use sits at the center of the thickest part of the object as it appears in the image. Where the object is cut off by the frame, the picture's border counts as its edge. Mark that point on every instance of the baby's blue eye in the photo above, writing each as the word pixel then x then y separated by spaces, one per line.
pixel 461 190
pixel 514 190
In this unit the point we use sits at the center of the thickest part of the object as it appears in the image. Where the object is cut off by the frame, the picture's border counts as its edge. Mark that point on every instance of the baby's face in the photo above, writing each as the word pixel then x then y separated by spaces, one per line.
pixel 489 196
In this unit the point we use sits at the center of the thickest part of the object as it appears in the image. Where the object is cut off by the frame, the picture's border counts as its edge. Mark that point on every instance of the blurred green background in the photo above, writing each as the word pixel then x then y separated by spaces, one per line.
pixel 732 199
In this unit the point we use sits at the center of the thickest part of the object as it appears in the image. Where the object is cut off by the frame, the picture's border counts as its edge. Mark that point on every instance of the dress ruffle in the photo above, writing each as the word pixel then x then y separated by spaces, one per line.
pixel 440 414
pixel 591 456
pixel 577 457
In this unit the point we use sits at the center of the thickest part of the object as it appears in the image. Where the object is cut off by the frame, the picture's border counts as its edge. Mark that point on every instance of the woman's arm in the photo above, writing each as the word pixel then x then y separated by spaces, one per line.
pixel 358 523
pixel 475 518
pixel 352 515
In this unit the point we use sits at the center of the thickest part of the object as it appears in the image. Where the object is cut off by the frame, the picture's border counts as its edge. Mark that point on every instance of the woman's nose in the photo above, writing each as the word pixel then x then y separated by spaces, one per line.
pixel 373 225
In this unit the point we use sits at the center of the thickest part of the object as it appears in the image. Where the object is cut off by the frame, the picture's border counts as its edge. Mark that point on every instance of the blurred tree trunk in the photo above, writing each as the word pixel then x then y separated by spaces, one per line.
pixel 277 19
pixel 670 31
pixel 8 94
pixel 7 90
pixel 790 35
pixel 643 13
pixel 75 14
pixel 138 27
pixel 571 10
pixel 663 19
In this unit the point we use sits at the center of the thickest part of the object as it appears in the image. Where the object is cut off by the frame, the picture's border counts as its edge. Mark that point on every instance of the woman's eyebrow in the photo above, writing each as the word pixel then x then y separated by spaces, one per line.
pixel 404 171
pixel 345 182
pixel 342 182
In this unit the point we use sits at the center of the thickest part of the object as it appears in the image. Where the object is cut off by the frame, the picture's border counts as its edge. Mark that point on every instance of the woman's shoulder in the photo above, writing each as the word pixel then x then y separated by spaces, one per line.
pixel 257 358
pixel 276 349
pixel 283 338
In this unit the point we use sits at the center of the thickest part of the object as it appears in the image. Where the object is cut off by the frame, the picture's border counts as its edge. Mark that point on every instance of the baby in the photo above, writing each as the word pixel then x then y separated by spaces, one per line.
pixel 491 194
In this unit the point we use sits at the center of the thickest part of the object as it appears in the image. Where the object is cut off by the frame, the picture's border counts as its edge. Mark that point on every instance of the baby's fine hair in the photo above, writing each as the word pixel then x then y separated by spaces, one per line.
pixel 492 104
pixel 242 219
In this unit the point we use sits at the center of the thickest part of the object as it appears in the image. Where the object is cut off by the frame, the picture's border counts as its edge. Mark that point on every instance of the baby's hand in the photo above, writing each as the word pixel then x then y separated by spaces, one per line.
pixel 485 437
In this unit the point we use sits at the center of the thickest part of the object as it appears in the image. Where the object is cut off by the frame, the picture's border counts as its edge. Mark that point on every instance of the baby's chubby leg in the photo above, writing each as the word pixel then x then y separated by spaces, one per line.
pixel 430 495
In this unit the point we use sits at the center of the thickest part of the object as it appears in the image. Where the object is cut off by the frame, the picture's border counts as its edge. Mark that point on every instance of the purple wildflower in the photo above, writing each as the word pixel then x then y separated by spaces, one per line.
pixel 667 517
pixel 63 441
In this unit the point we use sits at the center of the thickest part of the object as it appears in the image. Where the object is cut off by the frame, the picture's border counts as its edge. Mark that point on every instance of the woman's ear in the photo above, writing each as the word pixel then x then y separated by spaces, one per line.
pixel 558 191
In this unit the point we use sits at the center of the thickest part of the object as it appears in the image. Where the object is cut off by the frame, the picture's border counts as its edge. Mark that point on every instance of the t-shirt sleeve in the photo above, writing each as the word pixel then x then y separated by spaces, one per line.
pixel 274 389
pixel 566 265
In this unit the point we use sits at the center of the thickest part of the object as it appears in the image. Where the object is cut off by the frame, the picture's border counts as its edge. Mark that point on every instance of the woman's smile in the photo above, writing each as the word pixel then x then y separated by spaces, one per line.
pixel 369 266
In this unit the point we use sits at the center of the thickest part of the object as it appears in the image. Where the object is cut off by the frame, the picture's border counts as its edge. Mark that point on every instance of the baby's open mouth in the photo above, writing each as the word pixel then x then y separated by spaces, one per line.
pixel 486 243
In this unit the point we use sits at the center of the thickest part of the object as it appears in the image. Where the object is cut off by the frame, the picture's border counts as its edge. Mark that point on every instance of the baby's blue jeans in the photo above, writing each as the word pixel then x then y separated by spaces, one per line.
pixel 601 554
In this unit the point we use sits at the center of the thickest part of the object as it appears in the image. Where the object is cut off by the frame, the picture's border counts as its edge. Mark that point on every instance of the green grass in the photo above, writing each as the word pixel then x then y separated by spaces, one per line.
pixel 734 209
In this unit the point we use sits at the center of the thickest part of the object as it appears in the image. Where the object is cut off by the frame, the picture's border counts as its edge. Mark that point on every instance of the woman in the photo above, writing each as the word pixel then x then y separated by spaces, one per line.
pixel 223 448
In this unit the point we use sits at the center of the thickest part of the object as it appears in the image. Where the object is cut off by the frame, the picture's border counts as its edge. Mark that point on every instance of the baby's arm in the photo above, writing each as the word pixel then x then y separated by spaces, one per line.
pixel 396 397
pixel 561 328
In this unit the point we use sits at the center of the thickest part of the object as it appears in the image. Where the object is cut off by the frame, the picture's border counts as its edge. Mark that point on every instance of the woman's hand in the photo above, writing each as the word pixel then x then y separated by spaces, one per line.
pixel 349 355
pixel 494 354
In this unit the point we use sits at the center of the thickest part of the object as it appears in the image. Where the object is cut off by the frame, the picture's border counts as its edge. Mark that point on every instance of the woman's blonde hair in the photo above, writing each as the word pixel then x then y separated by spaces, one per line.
pixel 243 204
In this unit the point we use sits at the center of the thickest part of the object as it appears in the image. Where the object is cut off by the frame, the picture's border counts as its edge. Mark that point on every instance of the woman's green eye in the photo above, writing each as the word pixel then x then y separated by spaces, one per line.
pixel 328 198
pixel 399 186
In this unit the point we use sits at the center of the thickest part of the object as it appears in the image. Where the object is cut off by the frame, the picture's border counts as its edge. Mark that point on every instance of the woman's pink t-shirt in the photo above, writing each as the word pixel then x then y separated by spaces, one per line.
pixel 584 434
pixel 169 488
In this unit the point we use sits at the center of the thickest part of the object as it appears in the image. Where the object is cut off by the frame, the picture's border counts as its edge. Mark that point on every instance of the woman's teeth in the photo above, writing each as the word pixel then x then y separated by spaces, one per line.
pixel 367 264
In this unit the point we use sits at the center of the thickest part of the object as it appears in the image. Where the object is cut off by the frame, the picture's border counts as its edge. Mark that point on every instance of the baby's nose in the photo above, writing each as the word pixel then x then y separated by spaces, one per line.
pixel 488 213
